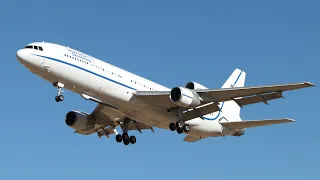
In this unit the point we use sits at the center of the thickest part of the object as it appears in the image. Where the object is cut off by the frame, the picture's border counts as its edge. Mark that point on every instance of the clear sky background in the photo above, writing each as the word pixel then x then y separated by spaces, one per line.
pixel 169 42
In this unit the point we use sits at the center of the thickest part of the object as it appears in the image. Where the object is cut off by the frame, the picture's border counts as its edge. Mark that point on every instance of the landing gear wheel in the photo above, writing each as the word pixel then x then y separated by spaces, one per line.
pixel 186 128
pixel 125 136
pixel 118 138
pixel 126 141
pixel 179 130
pixel 133 139
pixel 179 125
pixel 172 126
pixel 59 98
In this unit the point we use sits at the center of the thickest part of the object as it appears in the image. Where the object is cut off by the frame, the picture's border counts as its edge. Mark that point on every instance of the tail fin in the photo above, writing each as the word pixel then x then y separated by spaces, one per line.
pixel 236 79
pixel 231 108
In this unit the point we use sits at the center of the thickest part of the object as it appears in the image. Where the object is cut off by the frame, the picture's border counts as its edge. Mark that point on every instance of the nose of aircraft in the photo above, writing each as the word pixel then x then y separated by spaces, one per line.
pixel 20 55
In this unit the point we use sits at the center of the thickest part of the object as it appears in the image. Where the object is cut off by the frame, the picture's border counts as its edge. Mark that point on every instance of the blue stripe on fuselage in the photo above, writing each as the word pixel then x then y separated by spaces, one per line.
pixel 81 68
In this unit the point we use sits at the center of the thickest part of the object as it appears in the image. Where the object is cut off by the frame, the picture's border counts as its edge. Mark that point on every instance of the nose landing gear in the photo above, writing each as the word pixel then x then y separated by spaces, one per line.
pixel 59 97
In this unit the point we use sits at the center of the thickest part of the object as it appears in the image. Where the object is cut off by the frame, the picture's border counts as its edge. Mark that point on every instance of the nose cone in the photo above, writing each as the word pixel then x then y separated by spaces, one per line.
pixel 21 55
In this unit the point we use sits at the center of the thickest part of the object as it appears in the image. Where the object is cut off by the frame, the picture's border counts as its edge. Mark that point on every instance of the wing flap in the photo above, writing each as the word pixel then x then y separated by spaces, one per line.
pixel 137 126
pixel 200 111
pixel 254 123
pixel 257 99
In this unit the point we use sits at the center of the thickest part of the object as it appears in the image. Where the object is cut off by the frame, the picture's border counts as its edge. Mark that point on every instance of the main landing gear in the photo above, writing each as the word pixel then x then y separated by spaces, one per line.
pixel 179 126
pixel 125 138
pixel 59 96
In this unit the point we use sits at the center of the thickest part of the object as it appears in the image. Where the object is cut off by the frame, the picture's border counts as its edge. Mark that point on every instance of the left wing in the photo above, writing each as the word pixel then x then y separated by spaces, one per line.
pixel 231 93
pixel 242 95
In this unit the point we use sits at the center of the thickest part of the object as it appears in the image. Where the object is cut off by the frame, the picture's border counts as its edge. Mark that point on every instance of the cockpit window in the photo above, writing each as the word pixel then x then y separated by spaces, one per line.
pixel 35 47
pixel 29 47
pixel 40 48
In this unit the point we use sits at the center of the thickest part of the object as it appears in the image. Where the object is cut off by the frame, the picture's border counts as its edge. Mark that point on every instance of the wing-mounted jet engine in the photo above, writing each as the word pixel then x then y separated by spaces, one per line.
pixel 185 97
pixel 79 121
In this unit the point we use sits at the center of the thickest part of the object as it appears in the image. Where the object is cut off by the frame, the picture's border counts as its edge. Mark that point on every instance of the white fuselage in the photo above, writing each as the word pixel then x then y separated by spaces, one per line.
pixel 87 75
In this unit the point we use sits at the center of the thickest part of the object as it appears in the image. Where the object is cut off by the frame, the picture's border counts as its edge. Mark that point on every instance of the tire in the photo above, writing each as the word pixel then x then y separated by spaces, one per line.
pixel 172 126
pixel 57 99
pixel 126 142
pixel 61 98
pixel 179 130
pixel 186 128
pixel 179 124
pixel 133 139
pixel 118 138
pixel 125 136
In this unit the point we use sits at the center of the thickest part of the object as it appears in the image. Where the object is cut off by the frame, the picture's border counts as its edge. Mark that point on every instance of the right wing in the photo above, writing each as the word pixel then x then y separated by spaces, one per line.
pixel 107 118
pixel 254 123
pixel 136 126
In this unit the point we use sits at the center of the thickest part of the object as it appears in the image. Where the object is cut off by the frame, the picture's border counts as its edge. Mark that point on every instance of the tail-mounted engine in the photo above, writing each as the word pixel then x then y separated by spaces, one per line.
pixel 194 86
pixel 185 97
pixel 79 121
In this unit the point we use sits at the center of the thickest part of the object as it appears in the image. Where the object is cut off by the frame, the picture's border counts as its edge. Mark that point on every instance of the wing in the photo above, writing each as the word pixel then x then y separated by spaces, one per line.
pixel 107 118
pixel 159 99
pixel 106 131
pixel 254 123
pixel 103 116
pixel 242 95
pixel 232 93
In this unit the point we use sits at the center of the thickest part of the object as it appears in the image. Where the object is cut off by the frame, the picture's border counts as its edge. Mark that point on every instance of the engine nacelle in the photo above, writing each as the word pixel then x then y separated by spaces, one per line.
pixel 239 132
pixel 185 97
pixel 195 86
pixel 79 121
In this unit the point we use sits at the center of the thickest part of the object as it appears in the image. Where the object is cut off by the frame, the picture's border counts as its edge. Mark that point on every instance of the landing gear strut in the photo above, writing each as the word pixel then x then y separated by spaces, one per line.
pixel 179 126
pixel 59 96
pixel 125 138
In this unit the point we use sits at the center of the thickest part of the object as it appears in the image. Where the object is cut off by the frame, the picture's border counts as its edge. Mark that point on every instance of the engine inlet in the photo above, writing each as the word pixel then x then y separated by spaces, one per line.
pixel 71 118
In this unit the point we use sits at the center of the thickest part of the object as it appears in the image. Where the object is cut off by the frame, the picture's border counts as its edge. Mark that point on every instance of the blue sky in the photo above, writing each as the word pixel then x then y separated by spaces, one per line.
pixel 170 42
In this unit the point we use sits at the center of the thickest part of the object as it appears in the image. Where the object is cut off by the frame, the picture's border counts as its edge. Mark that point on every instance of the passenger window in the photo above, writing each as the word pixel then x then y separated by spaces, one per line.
pixel 35 47
pixel 40 48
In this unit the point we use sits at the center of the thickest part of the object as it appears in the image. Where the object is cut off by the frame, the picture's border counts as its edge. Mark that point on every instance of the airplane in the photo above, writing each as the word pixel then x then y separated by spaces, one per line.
pixel 135 103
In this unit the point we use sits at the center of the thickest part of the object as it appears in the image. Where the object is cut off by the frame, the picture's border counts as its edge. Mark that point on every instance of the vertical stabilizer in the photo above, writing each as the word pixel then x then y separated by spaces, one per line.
pixel 231 108
pixel 236 79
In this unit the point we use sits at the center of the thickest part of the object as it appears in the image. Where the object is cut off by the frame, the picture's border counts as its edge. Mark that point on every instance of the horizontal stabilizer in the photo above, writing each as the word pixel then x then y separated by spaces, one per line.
pixel 190 138
pixel 254 123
